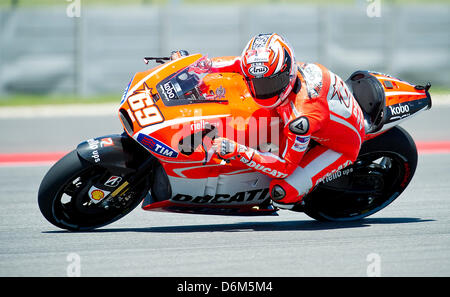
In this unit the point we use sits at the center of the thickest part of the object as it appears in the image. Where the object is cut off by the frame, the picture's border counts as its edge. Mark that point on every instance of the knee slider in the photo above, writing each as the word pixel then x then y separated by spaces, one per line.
pixel 277 193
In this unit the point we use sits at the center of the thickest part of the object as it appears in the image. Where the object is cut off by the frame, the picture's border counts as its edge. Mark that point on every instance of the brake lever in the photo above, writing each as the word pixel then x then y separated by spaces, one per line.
pixel 206 153
pixel 160 60
pixel 209 129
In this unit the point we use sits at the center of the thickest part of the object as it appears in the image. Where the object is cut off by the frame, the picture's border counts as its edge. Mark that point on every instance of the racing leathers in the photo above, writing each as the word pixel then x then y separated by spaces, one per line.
pixel 321 110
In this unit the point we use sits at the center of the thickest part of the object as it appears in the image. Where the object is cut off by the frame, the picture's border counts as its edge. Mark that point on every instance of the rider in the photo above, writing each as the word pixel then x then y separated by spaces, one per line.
pixel 323 124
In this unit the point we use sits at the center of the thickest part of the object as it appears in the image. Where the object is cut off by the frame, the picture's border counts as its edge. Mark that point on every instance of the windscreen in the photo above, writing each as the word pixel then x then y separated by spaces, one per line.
pixel 187 86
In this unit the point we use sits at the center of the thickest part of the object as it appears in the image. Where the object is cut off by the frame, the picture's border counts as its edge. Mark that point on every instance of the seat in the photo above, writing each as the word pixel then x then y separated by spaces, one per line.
pixel 369 93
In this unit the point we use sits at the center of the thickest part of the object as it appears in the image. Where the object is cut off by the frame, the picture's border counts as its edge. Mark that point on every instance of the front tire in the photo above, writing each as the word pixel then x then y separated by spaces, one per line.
pixel 384 168
pixel 63 195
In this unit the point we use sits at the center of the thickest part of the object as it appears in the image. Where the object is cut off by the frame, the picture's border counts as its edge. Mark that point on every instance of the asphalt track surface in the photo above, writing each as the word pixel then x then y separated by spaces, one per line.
pixel 411 237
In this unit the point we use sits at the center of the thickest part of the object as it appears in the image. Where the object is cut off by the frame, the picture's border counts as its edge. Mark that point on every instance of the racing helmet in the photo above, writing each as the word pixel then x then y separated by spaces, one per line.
pixel 268 64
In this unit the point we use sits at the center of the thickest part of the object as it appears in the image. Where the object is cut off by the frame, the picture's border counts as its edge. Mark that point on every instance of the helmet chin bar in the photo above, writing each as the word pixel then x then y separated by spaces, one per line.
pixel 278 99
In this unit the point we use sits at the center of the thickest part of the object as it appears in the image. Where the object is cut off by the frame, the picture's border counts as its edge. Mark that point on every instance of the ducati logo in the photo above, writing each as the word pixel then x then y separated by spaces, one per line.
pixel 266 170
pixel 239 197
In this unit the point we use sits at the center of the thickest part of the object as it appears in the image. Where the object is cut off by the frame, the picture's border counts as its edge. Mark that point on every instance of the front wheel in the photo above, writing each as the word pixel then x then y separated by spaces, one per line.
pixel 64 195
pixel 385 166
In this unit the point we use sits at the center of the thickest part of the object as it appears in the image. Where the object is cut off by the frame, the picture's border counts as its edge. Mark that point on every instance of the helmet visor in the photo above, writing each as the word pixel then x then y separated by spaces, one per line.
pixel 268 87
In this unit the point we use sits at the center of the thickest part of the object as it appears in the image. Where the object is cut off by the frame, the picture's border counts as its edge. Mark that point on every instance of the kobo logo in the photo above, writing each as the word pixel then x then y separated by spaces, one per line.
pixel 400 109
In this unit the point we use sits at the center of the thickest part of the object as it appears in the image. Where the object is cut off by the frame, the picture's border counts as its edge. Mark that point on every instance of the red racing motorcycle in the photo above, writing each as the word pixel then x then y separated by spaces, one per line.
pixel 164 160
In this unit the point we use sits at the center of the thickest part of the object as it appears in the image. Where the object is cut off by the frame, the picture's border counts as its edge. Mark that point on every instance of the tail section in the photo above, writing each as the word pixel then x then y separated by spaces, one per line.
pixel 386 101
pixel 403 99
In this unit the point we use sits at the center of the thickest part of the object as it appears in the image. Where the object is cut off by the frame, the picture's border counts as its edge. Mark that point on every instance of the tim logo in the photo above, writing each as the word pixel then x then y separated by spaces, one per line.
pixel 156 146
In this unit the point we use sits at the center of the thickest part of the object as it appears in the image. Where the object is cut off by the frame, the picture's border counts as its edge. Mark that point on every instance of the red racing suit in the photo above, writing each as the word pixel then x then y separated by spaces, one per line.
pixel 321 108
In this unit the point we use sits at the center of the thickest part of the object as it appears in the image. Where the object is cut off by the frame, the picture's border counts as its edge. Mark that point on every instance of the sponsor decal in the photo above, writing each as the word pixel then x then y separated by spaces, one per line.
pixel 156 146
pixel 106 142
pixel 220 93
pixel 199 125
pixel 336 173
pixel 399 109
pixel 313 79
pixel 113 181
pixel 269 171
pixel 300 126
pixel 258 70
pixel 169 91
pixel 95 144
pixel 247 196
pixel 260 40
pixel 301 143
pixel 143 106
pixel 340 100
pixel 96 156
pixel 97 194
pixel 258 56
pixel 341 91
pixel 402 110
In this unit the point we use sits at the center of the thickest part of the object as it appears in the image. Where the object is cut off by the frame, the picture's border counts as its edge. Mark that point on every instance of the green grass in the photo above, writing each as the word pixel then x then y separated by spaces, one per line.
pixel 137 2
pixel 33 100
pixel 439 90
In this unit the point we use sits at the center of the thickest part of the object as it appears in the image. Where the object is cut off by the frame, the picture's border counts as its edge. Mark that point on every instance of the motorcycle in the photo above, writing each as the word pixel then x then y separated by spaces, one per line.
pixel 164 159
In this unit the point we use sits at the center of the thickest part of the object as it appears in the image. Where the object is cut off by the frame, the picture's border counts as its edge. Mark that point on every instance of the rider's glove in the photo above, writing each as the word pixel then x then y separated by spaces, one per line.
pixel 178 54
pixel 203 65
pixel 228 149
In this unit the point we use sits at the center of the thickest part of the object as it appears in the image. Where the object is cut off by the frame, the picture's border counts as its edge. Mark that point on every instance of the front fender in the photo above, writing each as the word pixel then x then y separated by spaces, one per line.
pixel 115 152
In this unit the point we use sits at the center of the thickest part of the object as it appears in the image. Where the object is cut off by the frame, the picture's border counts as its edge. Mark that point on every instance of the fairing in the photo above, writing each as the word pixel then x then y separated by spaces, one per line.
pixel 174 111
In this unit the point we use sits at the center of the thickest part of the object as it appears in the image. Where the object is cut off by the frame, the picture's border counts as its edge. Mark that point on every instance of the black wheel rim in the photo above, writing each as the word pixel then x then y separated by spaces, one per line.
pixel 73 208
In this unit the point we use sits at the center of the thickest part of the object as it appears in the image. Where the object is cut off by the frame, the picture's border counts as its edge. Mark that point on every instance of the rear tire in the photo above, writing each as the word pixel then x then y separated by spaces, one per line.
pixel 384 168
pixel 63 195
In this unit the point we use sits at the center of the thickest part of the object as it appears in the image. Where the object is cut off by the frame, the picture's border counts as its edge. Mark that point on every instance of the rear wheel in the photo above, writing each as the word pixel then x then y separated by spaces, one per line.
pixel 64 198
pixel 385 166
